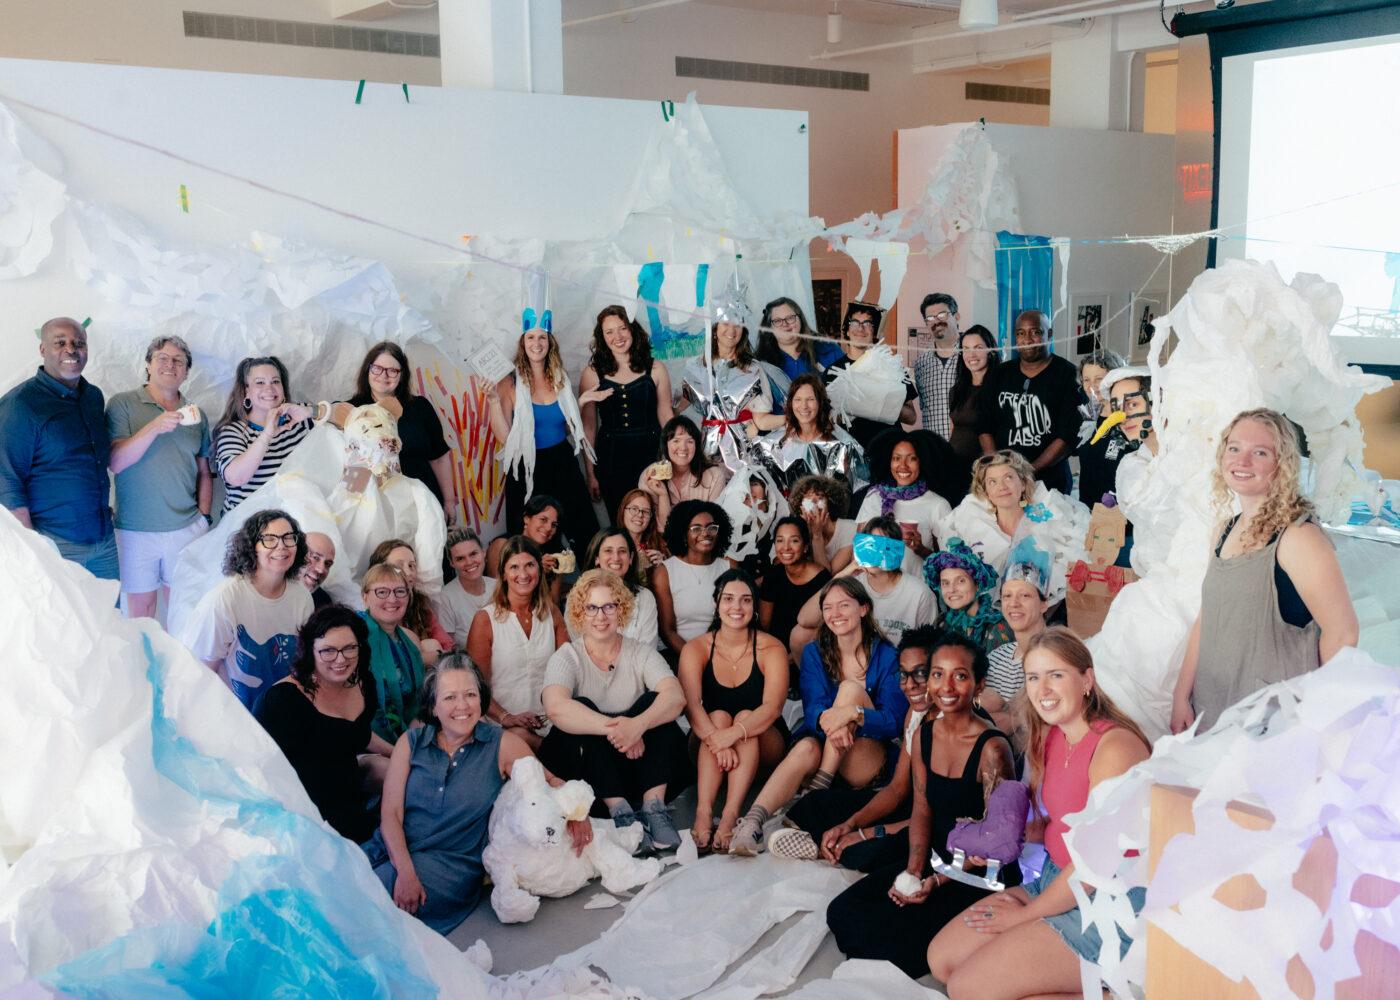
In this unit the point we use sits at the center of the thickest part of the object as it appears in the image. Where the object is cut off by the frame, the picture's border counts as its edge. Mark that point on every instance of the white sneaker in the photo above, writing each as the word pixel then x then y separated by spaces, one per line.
pixel 795 844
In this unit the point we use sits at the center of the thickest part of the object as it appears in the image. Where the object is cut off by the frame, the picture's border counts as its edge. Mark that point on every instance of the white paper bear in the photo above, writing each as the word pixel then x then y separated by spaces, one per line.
pixel 529 853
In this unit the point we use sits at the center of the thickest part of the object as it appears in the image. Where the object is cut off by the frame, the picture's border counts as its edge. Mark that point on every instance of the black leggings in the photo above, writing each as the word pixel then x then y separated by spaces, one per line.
pixel 817 812
pixel 612 774
pixel 868 924
pixel 557 474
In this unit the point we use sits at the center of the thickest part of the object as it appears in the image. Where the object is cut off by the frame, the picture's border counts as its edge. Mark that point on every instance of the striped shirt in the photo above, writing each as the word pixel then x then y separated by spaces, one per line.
pixel 1005 673
pixel 934 378
pixel 232 440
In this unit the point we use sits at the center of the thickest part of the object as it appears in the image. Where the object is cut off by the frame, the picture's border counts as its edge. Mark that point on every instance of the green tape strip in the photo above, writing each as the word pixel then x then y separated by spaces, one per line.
pixel 405 94
pixel 87 322
pixel 668 110
pixel 360 92
pixel 184 199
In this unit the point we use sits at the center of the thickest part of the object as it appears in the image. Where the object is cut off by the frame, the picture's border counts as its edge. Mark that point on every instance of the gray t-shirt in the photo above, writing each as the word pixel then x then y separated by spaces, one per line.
pixel 158 492
pixel 639 669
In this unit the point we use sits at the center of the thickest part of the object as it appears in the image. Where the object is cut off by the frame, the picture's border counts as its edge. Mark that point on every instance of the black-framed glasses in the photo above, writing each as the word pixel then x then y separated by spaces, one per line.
pixel 379 371
pixel 860 324
pixel 384 593
pixel 786 322
pixel 271 541
pixel 919 675
pixel 594 610
pixel 638 510
pixel 329 654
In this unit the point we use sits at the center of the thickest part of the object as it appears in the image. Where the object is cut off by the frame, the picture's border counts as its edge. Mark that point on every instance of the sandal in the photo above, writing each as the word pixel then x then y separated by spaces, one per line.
pixel 702 833
pixel 724 833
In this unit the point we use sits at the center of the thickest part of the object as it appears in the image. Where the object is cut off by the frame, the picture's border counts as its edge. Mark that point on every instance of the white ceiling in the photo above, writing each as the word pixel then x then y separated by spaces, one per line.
pixel 900 13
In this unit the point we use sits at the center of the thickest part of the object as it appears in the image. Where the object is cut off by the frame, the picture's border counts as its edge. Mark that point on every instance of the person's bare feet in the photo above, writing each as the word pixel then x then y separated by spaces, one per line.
pixel 724 834
pixel 702 830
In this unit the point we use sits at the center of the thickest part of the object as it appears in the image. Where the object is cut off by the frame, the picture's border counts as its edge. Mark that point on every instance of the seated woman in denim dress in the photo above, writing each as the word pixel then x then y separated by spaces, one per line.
pixel 1028 941
pixel 443 779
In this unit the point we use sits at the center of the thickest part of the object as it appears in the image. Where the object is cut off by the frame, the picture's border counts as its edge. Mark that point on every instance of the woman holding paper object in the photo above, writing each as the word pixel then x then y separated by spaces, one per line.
pixel 1274 604
pixel 823 503
pixel 612 549
pixel 698 534
pixel 861 332
pixel 540 524
pixel 852 708
pixel 911 477
pixel 786 341
pixel 636 513
pixel 259 428
pixel 513 637
pixel 977 358
pixel 735 679
pixel 957 760
pixel 1028 941
pixel 385 378
pixel 628 399
pixel 681 470
pixel 809 442
pixel 536 418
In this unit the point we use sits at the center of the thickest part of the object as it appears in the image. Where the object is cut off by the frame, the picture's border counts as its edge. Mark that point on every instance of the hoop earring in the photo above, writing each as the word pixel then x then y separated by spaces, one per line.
pixel 247 405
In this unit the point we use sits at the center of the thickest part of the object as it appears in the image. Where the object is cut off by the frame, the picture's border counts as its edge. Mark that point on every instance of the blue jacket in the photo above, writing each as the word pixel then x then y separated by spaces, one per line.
pixel 883 721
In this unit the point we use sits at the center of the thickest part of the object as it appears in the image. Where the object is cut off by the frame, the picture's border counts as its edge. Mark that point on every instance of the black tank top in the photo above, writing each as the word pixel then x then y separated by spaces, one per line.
pixel 747 695
pixel 631 408
pixel 952 799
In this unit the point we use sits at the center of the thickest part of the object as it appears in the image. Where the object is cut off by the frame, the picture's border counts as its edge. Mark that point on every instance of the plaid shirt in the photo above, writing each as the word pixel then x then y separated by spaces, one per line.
pixel 934 377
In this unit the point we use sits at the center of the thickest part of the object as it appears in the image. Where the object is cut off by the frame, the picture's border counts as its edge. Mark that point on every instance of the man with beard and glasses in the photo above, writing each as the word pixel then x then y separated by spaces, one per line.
pixel 1032 406
pixel 936 370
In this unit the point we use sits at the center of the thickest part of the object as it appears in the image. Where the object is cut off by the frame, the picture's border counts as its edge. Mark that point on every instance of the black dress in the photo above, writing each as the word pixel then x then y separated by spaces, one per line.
pixel 323 750
pixel 629 437
pixel 420 432
pixel 787 599
pixel 868 924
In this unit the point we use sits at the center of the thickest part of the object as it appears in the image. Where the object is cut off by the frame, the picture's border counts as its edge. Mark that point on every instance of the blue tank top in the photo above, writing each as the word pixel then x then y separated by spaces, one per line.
pixel 550 427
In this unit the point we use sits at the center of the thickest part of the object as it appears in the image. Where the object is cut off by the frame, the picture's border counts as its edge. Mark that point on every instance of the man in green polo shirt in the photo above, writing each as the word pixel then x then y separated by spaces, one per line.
pixel 160 455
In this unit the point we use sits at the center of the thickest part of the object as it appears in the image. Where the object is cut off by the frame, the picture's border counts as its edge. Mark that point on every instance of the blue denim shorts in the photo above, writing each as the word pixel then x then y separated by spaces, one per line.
pixel 1085 942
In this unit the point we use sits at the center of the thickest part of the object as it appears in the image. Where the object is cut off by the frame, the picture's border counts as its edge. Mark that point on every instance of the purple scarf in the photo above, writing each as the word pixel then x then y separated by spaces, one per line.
pixel 891 494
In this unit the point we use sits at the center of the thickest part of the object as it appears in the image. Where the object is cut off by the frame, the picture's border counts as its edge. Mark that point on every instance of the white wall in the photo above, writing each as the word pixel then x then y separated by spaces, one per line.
pixel 1078 183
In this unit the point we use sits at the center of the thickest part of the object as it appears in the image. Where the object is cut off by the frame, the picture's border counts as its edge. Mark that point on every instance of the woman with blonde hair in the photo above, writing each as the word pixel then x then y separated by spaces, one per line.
pixel 536 418
pixel 1029 940
pixel 1274 604
pixel 513 637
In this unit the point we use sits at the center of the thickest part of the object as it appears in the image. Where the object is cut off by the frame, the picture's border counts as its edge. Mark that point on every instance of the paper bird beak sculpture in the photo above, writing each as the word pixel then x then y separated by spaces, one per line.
pixel 1111 421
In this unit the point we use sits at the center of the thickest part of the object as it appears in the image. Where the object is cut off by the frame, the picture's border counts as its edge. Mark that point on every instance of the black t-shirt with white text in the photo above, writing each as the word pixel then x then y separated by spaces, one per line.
pixel 1025 414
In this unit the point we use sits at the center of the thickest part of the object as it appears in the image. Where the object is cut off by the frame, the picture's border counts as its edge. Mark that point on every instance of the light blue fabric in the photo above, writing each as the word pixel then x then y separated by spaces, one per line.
pixel 296 923
pixel 1025 280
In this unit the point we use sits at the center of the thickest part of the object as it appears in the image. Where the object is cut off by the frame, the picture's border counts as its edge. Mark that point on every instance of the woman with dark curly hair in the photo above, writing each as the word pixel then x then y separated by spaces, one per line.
pixel 245 629
pixel 385 378
pixel 823 503
pixel 912 475
pixel 698 534
pixel 632 400
pixel 320 717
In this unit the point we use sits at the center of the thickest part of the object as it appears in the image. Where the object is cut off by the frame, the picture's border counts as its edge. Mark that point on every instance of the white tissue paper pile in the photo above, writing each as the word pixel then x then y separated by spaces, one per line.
pixel 1317 753
pixel 1245 339
pixel 872 387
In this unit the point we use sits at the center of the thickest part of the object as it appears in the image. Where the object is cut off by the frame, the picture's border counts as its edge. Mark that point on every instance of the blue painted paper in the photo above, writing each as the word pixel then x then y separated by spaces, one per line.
pixel 1025 280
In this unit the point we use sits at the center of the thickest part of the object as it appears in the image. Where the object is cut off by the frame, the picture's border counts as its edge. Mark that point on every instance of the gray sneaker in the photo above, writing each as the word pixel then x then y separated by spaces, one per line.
pixel 661 831
pixel 748 839
pixel 626 817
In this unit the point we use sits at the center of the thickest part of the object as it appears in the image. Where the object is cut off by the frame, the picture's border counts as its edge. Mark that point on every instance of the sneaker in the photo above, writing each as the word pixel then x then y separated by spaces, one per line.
pixel 625 818
pixel 660 830
pixel 748 839
pixel 795 844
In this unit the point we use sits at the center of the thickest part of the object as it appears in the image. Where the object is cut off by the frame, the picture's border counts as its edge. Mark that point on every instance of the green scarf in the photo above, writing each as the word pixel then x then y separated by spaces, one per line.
pixel 398 694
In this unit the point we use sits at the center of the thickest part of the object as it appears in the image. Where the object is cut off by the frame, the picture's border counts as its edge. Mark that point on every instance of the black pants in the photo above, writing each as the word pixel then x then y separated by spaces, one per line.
pixel 557 474
pixel 868 924
pixel 817 812
pixel 612 775
pixel 622 455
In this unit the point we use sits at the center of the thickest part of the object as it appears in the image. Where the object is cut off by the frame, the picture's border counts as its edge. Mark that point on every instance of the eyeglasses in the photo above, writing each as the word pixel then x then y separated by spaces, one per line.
pixel 786 322
pixel 379 371
pixel 704 529
pixel 594 610
pixel 270 541
pixel 384 593
pixel 917 676
pixel 860 324
pixel 329 654
pixel 171 360
pixel 638 510
pixel 939 317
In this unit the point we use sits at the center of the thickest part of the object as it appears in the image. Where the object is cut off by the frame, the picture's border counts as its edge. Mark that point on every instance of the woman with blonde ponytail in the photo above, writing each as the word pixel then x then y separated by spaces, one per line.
pixel 1028 941
pixel 1274 604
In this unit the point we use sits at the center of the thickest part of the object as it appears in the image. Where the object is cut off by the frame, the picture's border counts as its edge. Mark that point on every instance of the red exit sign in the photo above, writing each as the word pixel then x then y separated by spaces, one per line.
pixel 1195 180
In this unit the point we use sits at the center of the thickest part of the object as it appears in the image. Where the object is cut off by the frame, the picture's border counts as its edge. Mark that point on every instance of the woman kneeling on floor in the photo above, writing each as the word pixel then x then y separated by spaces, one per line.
pixel 443 779
pixel 613 702
pixel 1029 941
pixel 735 680
pixel 959 759
pixel 852 708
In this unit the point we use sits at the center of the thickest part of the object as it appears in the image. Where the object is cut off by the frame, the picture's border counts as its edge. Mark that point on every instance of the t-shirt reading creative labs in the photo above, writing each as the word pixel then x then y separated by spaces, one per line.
pixel 1026 414
pixel 254 636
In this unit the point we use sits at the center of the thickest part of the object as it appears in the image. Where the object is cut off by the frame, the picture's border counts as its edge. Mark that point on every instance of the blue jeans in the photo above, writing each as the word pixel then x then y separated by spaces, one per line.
pixel 1086 942
pixel 98 558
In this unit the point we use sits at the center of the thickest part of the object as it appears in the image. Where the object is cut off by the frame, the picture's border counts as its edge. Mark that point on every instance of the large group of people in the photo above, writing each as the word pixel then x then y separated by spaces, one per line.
pixel 909 594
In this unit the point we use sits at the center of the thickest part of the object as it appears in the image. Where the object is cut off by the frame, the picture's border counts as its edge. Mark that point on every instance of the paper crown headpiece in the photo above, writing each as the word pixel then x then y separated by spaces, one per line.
pixel 536 312
pixel 1029 562
pixel 730 304
pixel 959 555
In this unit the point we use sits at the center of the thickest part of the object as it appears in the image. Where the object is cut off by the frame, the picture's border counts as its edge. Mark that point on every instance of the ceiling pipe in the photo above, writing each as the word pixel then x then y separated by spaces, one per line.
pixel 1126 8
pixel 1029 15
pixel 996 58
pixel 640 8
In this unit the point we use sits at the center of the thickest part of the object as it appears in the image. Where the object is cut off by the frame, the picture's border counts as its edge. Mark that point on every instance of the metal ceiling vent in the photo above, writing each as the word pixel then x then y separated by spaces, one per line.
pixel 783 76
pixel 1006 95
pixel 309 34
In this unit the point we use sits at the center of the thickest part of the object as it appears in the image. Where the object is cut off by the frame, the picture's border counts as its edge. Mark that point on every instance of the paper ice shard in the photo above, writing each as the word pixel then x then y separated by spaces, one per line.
pixel 1095 582
pixel 873 386
pixel 998 837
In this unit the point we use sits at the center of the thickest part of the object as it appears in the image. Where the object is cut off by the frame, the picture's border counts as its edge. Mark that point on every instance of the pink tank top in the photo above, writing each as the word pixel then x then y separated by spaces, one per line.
pixel 1065 789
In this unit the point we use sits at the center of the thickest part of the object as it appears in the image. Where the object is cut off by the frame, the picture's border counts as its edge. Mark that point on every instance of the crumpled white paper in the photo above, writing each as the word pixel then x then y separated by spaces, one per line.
pixel 863 979
pixel 873 386
pixel 1314 752
pixel 30 201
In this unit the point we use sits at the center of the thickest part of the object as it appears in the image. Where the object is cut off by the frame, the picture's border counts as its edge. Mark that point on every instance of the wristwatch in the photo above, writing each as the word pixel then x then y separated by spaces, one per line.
pixel 861 710
pixel 879 830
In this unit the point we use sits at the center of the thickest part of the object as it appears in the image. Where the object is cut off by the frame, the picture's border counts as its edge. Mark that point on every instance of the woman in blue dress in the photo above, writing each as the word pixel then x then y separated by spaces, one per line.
pixel 443 780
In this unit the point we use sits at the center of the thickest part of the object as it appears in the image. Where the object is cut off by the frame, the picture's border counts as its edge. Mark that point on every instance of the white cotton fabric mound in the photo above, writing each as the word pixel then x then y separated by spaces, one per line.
pixel 1316 752
pixel 1245 339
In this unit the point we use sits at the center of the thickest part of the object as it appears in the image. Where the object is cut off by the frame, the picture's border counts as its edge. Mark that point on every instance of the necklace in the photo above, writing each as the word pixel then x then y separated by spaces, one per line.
pixel 609 660
pixel 1073 746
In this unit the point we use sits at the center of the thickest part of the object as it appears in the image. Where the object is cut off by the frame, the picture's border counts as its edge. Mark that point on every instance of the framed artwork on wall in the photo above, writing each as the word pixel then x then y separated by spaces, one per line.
pixel 1087 313
pixel 1146 307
